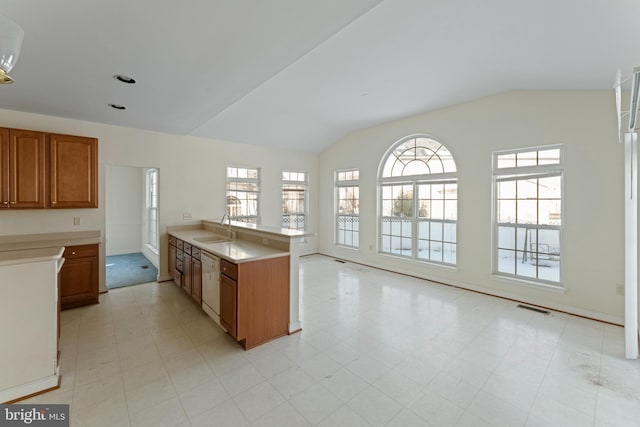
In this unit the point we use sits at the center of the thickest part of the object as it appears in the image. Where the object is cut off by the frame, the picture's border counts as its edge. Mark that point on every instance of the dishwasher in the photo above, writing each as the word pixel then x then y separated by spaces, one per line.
pixel 211 285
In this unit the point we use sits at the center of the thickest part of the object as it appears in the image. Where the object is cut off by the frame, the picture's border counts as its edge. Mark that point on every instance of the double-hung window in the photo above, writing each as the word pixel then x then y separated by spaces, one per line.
pixel 294 200
pixel 419 201
pixel 152 208
pixel 243 194
pixel 347 189
pixel 528 214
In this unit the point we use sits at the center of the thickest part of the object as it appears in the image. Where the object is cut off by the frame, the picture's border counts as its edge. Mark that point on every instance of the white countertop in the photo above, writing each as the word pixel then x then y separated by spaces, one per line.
pixel 236 251
pixel 25 256
pixel 49 240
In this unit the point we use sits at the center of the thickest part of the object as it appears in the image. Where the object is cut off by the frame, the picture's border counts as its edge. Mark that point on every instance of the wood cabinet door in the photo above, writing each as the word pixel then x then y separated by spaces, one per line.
pixel 187 276
pixel 196 280
pixel 173 251
pixel 74 171
pixel 228 304
pixel 27 151
pixel 78 282
pixel 4 168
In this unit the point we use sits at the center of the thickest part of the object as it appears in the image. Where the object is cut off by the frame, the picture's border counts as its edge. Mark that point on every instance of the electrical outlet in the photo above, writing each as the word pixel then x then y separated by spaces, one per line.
pixel 186 216
pixel 620 289
pixel 76 220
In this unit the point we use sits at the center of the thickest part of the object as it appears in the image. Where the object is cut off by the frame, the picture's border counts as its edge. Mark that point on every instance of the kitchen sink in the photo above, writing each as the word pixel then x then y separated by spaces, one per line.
pixel 212 239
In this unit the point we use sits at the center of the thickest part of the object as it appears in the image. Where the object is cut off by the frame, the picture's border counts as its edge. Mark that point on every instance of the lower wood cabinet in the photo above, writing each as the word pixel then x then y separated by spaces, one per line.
pixel 79 276
pixel 254 300
pixel 185 267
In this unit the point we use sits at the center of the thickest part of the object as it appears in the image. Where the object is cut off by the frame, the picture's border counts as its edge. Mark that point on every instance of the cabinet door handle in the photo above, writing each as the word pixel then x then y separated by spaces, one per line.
pixel 73 252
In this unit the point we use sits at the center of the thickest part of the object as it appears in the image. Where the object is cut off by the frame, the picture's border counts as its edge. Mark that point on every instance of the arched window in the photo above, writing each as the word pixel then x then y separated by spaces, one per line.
pixel 418 201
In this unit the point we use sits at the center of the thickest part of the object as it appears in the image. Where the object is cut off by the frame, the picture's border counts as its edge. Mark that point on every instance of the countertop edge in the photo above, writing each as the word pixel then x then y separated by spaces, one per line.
pixel 27 256
pixel 49 240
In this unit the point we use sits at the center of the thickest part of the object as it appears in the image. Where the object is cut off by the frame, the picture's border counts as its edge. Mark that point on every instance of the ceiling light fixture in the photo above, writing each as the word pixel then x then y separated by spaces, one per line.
pixel 117 106
pixel 124 79
pixel 11 35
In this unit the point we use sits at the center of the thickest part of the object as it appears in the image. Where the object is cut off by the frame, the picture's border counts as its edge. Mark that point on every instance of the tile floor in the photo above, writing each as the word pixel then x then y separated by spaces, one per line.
pixel 377 349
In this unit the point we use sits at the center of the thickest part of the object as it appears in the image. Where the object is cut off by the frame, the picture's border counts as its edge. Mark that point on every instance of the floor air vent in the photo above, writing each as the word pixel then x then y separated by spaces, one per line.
pixel 537 310
pixel 340 261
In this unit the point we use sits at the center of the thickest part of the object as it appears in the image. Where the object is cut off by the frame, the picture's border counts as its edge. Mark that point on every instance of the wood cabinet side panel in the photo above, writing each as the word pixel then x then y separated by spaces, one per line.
pixel 4 168
pixel 263 300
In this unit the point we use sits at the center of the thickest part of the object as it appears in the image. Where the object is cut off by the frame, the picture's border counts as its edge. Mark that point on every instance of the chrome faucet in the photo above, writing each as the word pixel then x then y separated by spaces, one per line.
pixel 226 215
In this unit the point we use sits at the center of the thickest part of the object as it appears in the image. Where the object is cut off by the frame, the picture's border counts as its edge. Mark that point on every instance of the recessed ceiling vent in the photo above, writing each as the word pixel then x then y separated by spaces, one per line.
pixel 117 107
pixel 124 79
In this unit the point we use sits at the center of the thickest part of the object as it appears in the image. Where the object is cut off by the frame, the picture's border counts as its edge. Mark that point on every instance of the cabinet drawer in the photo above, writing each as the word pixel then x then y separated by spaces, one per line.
pixel 179 265
pixel 81 251
pixel 195 252
pixel 173 241
pixel 229 269
pixel 180 255
pixel 179 244
pixel 186 247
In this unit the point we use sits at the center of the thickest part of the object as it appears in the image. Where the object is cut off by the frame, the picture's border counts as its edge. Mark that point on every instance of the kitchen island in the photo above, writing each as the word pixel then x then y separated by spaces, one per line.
pixel 29 315
pixel 257 276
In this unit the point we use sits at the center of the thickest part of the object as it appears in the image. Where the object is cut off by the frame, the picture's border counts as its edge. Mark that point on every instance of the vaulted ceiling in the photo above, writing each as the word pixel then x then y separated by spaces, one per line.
pixel 301 74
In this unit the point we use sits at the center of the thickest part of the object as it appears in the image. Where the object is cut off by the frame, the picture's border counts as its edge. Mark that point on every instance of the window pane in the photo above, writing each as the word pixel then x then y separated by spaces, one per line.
pixel 507 190
pixel 527 212
pixel 506 161
pixel 506 261
pixel 526 264
pixel 549 212
pixel 527 159
pixel 527 188
pixel 507 237
pixel 449 253
pixel 506 211
pixel 436 231
pixel 451 210
pixel 549 157
pixel 449 232
pixel 549 188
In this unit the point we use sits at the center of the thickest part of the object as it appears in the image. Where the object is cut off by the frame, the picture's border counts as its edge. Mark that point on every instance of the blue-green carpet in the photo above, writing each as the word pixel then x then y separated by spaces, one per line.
pixel 129 269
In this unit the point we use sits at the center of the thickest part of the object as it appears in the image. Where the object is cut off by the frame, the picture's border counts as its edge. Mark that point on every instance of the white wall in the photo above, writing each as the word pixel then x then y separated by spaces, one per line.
pixel 192 177
pixel 123 209
pixel 592 245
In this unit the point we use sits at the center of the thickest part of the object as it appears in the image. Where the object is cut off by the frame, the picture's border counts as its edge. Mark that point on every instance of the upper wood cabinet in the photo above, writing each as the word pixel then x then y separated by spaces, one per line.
pixel 41 170
pixel 74 171
pixel 23 169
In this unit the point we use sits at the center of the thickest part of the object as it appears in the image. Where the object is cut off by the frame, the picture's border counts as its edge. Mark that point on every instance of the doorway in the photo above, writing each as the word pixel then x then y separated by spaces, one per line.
pixel 131 225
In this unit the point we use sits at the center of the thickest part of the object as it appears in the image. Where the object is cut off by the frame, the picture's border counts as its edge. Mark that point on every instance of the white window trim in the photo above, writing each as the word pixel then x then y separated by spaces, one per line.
pixel 154 246
pixel 518 173
pixel 256 181
pixel 336 200
pixel 305 184
pixel 415 181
